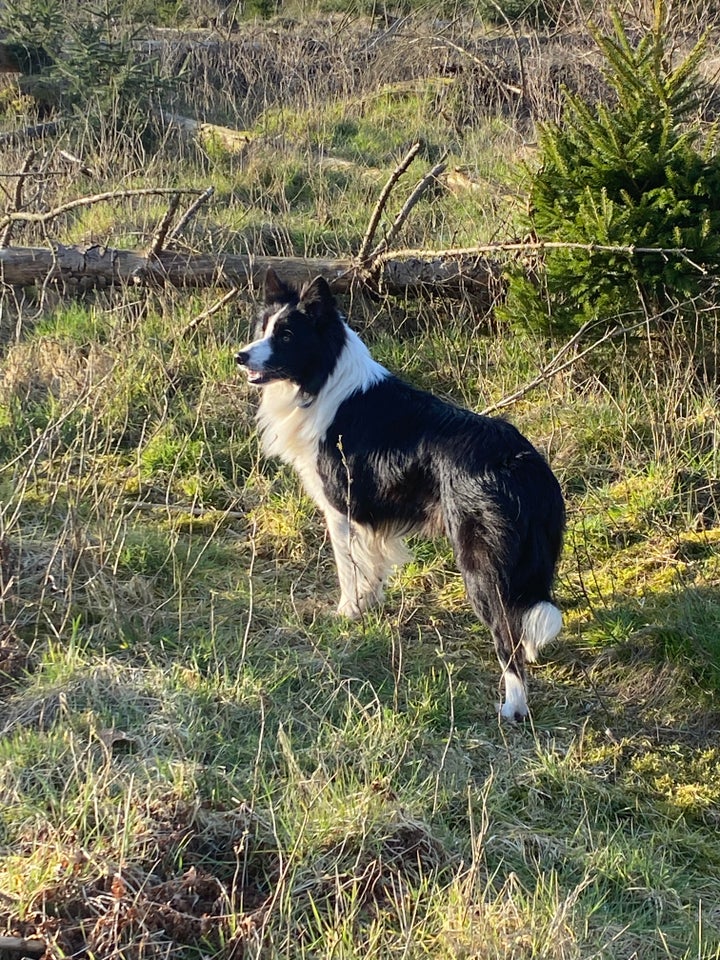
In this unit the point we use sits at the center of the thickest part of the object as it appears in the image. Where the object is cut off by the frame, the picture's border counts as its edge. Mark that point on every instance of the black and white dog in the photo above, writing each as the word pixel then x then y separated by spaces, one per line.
pixel 382 459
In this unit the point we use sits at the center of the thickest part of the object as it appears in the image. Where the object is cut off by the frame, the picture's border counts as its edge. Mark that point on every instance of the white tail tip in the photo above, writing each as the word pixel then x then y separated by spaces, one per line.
pixel 541 624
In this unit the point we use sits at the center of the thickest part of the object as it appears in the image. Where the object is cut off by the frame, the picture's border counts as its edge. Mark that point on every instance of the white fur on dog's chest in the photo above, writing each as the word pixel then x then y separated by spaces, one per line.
pixel 291 432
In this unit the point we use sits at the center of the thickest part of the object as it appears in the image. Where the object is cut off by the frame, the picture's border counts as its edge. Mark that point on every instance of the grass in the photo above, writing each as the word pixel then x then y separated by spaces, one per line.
pixel 196 757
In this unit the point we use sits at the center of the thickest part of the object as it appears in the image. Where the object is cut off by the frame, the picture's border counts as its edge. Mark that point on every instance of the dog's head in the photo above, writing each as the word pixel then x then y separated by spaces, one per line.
pixel 299 336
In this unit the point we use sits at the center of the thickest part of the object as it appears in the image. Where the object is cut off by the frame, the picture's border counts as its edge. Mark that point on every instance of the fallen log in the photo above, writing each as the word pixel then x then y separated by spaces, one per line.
pixel 21 947
pixel 412 273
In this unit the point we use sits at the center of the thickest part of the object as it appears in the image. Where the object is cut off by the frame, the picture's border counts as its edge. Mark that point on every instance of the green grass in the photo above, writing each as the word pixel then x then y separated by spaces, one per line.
pixel 197 759
pixel 192 704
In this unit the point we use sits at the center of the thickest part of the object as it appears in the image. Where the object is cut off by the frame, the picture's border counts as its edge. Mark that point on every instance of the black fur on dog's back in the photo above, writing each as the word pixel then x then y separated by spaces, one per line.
pixel 415 461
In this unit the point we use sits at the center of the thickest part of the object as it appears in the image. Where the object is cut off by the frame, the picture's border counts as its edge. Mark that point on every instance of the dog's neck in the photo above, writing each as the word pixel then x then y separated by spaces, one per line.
pixel 292 422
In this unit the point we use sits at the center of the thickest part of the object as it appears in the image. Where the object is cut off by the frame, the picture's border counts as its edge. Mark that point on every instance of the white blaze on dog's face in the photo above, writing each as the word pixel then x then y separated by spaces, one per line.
pixel 299 336
pixel 262 359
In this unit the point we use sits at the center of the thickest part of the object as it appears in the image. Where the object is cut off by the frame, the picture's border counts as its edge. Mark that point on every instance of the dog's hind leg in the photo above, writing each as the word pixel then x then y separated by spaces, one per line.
pixel 511 654
pixel 507 637
pixel 481 556
pixel 364 560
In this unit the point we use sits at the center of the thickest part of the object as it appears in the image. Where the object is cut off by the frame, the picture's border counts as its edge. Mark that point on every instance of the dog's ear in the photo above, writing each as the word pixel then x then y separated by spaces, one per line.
pixel 275 290
pixel 317 299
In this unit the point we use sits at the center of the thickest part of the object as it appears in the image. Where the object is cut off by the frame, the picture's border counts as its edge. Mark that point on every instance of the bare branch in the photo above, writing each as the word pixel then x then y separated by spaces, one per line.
pixel 190 213
pixel 77 162
pixel 452 274
pixel 158 241
pixel 400 219
pixel 554 366
pixel 521 61
pixel 486 68
pixel 88 201
pixel 17 202
pixel 536 246
pixel 211 311
pixel 383 199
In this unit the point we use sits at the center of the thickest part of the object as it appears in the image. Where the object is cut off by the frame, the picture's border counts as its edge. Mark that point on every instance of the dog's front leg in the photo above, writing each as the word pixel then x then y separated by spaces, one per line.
pixel 360 572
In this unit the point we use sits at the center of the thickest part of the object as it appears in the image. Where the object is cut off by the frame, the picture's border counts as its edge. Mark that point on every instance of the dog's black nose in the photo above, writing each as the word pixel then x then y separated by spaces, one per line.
pixel 241 358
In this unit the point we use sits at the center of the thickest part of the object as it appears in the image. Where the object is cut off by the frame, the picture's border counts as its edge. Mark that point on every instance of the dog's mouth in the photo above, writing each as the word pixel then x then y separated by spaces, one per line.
pixel 258 373
pixel 258 378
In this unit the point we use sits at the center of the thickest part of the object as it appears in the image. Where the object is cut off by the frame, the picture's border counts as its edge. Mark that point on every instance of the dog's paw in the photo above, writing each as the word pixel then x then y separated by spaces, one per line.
pixel 355 608
pixel 511 711
pixel 348 609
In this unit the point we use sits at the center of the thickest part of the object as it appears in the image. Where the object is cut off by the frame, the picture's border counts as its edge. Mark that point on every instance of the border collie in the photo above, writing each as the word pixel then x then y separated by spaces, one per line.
pixel 382 459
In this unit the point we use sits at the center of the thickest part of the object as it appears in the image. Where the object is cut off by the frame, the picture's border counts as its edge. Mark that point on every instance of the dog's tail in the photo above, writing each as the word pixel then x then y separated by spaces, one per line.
pixel 541 624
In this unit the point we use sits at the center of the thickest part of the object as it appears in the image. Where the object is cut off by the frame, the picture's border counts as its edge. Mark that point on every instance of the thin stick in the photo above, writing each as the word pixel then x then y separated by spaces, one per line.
pixel 383 199
pixel 485 67
pixel 37 174
pixel 533 245
pixel 518 50
pixel 400 219
pixel 17 202
pixel 88 201
pixel 539 246
pixel 201 317
pixel 78 161
pixel 554 367
pixel 158 241
pixel 190 212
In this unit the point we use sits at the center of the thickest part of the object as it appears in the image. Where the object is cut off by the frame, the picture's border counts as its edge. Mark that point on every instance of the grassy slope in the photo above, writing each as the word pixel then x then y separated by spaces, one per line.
pixel 195 756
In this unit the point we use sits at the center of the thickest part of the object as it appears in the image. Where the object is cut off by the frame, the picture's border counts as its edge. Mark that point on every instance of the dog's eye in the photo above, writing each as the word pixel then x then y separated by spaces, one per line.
pixel 285 336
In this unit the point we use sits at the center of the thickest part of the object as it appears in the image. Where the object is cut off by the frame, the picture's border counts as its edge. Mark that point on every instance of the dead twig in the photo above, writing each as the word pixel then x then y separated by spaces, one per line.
pixel 190 213
pixel 539 246
pixel 485 67
pixel 534 246
pixel 158 241
pixel 411 201
pixel 518 50
pixel 49 215
pixel 555 366
pixel 77 162
pixel 383 199
pixel 211 311
pixel 17 200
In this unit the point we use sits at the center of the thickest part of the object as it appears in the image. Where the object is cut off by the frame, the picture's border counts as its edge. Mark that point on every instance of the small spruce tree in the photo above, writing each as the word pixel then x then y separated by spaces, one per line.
pixel 86 58
pixel 628 175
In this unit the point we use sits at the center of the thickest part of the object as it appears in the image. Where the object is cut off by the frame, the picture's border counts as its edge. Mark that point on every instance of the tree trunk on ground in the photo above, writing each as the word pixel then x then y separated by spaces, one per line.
pixel 414 273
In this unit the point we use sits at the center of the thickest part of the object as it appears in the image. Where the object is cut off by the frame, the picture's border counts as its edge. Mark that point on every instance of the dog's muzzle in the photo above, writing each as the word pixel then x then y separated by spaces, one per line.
pixel 255 375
